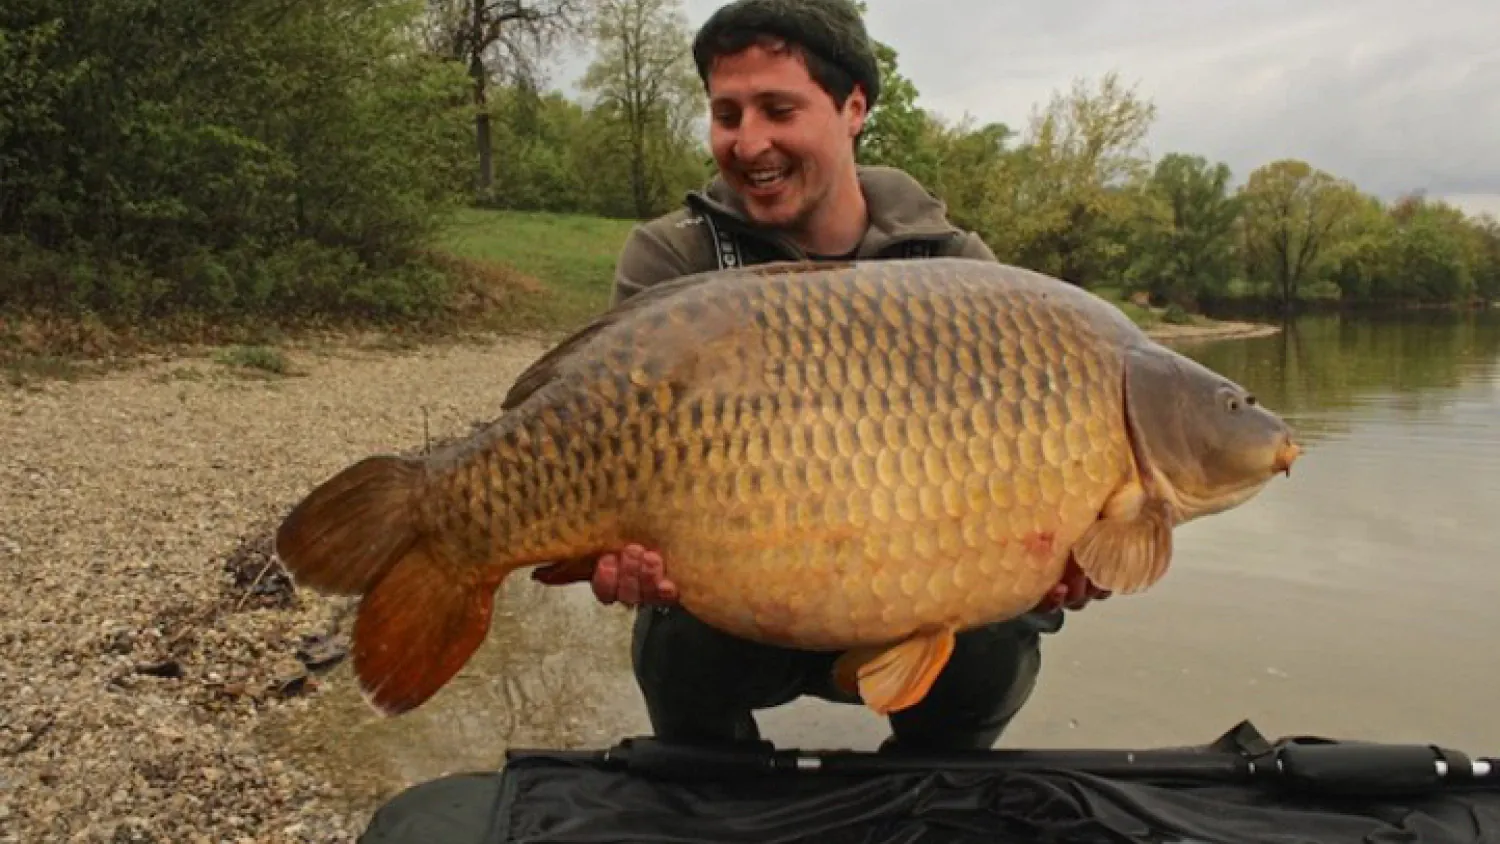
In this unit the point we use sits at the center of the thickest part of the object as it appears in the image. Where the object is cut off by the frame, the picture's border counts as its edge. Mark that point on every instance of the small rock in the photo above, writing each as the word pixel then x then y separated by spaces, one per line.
pixel 170 669
pixel 319 652
pixel 295 684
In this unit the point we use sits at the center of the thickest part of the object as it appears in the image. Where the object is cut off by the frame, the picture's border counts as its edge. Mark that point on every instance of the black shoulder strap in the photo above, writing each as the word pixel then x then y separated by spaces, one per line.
pixel 726 246
pixel 729 255
pixel 918 249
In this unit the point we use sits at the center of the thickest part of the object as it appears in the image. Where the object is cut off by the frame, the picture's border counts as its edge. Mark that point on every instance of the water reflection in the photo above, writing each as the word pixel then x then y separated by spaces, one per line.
pixel 1355 598
pixel 1327 373
pixel 555 672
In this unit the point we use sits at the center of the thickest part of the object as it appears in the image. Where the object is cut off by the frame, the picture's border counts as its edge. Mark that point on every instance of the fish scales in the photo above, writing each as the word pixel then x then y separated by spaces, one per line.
pixel 835 458
pixel 816 492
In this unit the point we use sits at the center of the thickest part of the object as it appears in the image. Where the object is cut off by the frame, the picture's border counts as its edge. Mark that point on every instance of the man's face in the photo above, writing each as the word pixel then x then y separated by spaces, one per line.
pixel 779 140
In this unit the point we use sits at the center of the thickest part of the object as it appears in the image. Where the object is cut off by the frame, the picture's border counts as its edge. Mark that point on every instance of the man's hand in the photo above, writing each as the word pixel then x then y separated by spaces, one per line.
pixel 1073 592
pixel 633 577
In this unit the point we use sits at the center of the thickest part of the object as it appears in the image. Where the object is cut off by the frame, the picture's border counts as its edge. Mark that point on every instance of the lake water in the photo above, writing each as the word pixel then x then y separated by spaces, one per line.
pixel 1356 598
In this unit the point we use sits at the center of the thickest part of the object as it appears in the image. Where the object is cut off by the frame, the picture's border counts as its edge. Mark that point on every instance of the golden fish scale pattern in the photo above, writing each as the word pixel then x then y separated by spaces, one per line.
pixel 824 459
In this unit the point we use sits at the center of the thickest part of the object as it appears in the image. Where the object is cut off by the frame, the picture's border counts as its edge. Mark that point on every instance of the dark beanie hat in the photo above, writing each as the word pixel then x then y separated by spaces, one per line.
pixel 831 29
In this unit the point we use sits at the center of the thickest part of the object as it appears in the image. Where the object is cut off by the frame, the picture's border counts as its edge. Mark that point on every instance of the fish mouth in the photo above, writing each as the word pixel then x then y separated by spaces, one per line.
pixel 1286 455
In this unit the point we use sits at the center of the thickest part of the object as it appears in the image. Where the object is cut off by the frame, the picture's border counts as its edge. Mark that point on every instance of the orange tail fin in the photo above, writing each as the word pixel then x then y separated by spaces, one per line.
pixel 353 527
pixel 416 629
pixel 420 618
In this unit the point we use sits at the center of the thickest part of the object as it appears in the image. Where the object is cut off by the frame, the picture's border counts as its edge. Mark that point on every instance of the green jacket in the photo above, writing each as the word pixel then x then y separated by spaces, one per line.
pixel 711 231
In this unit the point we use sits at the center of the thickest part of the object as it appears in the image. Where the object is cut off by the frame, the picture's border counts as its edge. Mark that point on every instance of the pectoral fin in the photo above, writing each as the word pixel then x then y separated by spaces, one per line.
pixel 889 679
pixel 1130 547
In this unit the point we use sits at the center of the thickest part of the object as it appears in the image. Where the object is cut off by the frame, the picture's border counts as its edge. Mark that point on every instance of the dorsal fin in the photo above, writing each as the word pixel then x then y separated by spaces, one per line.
pixel 544 368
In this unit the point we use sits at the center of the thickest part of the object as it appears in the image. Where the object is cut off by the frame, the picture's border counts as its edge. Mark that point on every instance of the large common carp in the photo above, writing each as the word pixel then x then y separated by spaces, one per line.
pixel 858 457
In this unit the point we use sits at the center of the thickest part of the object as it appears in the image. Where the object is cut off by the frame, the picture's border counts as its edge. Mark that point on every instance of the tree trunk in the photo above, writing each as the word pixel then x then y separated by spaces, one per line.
pixel 638 175
pixel 482 116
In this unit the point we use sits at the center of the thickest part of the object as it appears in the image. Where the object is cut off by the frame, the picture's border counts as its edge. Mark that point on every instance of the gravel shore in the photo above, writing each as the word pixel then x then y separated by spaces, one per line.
pixel 143 633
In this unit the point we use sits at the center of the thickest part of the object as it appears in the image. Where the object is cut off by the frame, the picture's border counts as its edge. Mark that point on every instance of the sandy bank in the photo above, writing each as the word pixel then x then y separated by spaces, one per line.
pixel 1228 330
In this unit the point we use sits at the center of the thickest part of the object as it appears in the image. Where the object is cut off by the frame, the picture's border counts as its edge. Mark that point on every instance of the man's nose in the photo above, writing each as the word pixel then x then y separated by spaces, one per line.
pixel 752 139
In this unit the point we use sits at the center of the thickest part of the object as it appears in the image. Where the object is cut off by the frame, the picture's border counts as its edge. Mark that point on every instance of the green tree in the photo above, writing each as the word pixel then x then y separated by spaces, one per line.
pixel 969 162
pixel 1359 263
pixel 1486 233
pixel 1070 183
pixel 1185 230
pixel 644 82
pixel 499 41
pixel 540 132
pixel 896 128
pixel 1434 254
pixel 1294 214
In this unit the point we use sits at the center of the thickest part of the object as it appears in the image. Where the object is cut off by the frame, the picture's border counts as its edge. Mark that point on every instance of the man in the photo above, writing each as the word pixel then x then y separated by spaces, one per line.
pixel 791 83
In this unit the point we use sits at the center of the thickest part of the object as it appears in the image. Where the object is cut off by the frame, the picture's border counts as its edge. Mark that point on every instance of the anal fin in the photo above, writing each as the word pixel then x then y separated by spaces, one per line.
pixel 416 628
pixel 1130 547
pixel 895 677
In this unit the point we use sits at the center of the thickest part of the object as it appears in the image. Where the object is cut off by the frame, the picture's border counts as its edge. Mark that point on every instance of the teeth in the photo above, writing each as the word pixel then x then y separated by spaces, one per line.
pixel 765 177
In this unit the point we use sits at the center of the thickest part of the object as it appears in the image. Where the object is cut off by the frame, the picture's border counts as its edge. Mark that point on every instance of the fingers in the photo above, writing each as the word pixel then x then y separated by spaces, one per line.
pixel 1053 599
pixel 655 587
pixel 1076 586
pixel 630 576
pixel 606 580
pixel 1073 592
pixel 633 577
pixel 666 591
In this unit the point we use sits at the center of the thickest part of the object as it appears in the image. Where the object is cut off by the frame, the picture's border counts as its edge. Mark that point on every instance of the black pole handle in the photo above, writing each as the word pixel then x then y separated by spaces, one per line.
pixel 1307 766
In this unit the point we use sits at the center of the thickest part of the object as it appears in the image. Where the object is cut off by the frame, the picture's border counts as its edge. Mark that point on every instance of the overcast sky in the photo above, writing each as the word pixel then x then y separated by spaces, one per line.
pixel 1396 96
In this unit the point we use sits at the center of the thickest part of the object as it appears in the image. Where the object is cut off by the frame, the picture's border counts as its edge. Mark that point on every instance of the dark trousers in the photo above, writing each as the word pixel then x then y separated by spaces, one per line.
pixel 702 685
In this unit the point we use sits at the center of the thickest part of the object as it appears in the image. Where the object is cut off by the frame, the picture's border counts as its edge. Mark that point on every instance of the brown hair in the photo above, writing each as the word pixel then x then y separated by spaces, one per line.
pixel 829 35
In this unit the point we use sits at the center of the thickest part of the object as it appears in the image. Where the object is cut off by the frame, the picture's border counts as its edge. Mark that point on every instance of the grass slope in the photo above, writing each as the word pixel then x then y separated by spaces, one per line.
pixel 570 259
pixel 563 263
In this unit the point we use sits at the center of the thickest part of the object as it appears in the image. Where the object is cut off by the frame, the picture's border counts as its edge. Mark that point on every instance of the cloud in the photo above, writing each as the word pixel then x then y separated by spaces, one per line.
pixel 1395 96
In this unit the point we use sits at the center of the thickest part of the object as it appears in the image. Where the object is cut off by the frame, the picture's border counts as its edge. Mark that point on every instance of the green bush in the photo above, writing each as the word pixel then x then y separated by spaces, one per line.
pixel 240 158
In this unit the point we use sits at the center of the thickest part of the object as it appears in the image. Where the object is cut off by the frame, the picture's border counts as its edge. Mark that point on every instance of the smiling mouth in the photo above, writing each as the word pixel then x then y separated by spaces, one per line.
pixel 766 177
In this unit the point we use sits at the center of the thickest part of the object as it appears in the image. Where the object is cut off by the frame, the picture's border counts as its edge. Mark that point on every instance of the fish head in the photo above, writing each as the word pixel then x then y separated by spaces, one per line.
pixel 1206 441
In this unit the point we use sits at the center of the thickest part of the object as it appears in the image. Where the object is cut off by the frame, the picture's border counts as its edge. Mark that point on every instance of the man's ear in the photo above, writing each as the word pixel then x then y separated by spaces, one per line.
pixel 856 109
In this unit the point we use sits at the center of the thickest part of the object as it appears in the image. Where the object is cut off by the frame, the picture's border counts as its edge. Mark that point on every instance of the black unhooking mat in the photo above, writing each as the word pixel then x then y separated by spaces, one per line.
pixel 1239 788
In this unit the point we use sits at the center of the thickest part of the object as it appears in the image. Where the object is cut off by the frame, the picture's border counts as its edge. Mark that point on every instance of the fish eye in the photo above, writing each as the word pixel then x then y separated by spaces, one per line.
pixel 1232 403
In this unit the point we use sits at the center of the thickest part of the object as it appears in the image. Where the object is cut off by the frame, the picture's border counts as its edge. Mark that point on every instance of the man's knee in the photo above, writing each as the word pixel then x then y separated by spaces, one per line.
pixel 989 677
pixel 702 684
